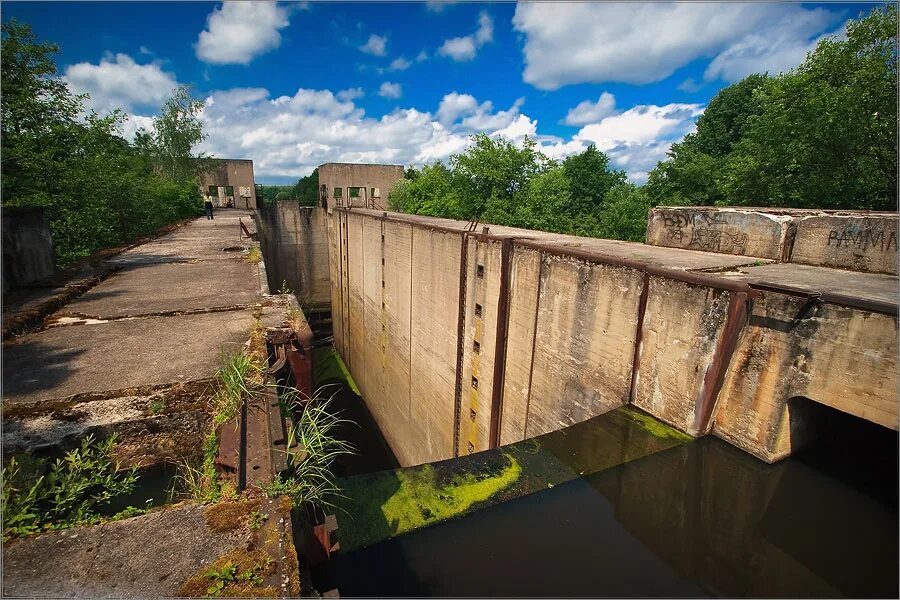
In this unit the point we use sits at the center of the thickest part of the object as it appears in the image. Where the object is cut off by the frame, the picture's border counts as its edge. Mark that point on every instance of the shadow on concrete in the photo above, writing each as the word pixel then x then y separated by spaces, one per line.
pixel 31 366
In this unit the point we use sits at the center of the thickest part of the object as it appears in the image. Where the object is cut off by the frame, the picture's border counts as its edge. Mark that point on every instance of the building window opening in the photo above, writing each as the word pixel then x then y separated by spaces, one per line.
pixel 479 271
pixel 353 192
pixel 477 310
pixel 213 191
pixel 338 192
pixel 375 192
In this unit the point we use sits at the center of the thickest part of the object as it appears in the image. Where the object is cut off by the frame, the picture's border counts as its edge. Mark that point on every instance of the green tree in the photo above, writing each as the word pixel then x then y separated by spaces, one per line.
pixel 624 214
pixel 590 179
pixel 826 135
pixel 306 190
pixel 176 130
pixel 693 173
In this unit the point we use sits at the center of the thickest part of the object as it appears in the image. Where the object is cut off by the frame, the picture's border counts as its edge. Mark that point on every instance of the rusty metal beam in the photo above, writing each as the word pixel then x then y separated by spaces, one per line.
pixel 638 334
pixel 735 319
pixel 867 304
pixel 500 349
pixel 460 337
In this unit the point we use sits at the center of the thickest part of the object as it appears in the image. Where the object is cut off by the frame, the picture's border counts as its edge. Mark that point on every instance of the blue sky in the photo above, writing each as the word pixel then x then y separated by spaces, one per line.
pixel 293 85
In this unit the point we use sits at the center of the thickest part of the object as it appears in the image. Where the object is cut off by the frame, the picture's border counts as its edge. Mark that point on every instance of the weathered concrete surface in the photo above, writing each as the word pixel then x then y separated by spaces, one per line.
pixel 682 326
pixel 294 240
pixel 869 286
pixel 859 243
pixel 203 240
pixel 791 348
pixel 160 288
pixel 582 337
pixel 63 361
pixel 150 555
pixel 730 231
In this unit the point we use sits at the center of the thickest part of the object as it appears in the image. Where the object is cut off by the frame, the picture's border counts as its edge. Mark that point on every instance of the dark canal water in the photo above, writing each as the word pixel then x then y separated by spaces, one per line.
pixel 699 519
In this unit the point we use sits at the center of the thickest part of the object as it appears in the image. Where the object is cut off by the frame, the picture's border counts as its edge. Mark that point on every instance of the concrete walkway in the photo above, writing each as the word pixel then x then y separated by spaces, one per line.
pixel 127 331
pixel 133 355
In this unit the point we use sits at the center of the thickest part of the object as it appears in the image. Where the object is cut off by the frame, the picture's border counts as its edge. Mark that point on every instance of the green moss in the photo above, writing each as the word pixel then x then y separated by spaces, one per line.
pixel 421 500
pixel 654 426
pixel 330 367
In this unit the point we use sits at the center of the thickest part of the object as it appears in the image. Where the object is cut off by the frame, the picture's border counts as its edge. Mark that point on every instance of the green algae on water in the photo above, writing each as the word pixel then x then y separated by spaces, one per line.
pixel 654 426
pixel 390 503
pixel 330 367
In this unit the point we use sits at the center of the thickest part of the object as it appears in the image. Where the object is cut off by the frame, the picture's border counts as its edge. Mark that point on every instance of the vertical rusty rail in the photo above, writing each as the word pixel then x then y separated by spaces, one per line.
pixel 735 319
pixel 460 337
pixel 500 348
pixel 638 334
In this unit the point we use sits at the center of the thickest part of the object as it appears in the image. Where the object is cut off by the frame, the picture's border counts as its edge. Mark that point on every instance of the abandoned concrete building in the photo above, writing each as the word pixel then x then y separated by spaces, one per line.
pixel 230 183
pixel 357 185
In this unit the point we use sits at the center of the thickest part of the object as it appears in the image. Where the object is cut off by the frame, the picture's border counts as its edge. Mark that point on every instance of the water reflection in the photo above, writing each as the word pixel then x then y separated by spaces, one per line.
pixel 698 519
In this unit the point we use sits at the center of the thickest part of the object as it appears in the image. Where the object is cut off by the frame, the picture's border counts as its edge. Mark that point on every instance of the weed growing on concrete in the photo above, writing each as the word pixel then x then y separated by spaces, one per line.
pixel 254 256
pixel 233 384
pixel 313 447
pixel 72 490
pixel 284 288
pixel 257 519
pixel 200 484
pixel 158 405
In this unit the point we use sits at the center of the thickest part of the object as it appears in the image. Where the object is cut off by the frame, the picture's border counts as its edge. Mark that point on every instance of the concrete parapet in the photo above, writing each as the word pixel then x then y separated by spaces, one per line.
pixel 723 230
pixel 846 241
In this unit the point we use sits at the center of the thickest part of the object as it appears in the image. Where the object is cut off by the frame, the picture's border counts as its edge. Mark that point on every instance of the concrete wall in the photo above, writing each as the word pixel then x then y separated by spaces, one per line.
pixel 234 172
pixel 462 341
pixel 28 257
pixel 725 230
pixel 367 177
pixel 858 243
pixel 294 241
pixel 792 348
pixel 853 240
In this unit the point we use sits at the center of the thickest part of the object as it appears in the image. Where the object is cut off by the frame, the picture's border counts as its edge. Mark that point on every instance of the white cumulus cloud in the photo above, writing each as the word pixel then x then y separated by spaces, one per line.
pixel 376 46
pixel 639 43
pixel 239 31
pixel 390 90
pixel 465 48
pixel 591 112
pixel 119 82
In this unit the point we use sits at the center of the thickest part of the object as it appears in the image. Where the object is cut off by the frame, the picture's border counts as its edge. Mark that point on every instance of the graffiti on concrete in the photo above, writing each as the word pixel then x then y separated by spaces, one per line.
pixel 863 239
pixel 703 231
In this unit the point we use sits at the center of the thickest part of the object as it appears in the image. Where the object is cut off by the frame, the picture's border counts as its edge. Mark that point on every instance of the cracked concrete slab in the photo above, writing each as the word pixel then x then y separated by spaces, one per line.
pixel 164 287
pixel 75 359
pixel 143 557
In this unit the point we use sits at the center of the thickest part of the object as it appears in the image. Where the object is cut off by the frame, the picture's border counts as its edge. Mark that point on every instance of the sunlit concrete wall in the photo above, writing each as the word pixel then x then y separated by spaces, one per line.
pixel 449 363
pixel 294 241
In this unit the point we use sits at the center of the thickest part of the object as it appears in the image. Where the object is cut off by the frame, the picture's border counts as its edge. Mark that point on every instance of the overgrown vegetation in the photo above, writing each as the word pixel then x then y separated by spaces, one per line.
pixel 821 135
pixel 305 191
pixel 98 189
pixel 72 490
pixel 312 449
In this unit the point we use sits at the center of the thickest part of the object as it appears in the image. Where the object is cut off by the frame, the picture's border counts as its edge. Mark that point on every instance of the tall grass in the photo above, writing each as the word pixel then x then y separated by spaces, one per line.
pixel 235 381
pixel 313 446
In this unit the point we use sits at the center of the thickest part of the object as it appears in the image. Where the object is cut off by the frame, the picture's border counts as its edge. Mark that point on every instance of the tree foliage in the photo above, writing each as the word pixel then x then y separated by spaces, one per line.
pixel 495 181
pixel 823 135
pixel 98 190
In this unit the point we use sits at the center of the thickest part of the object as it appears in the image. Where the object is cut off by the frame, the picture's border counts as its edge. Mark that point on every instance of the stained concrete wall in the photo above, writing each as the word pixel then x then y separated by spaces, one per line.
pixel 725 230
pixel 235 172
pixel 347 175
pixel 858 243
pixel 294 241
pixel 792 348
pixel 853 240
pixel 28 257
pixel 451 334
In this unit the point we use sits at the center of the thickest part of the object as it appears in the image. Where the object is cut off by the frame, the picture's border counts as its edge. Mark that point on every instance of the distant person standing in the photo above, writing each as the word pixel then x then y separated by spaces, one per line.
pixel 208 206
